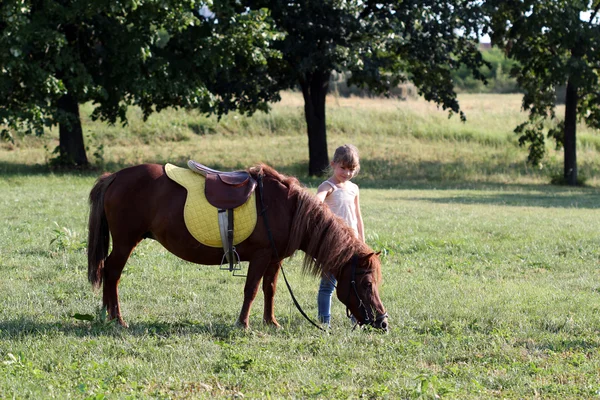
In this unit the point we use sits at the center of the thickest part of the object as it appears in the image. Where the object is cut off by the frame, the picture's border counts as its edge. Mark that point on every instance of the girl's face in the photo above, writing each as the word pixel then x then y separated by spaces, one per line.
pixel 341 172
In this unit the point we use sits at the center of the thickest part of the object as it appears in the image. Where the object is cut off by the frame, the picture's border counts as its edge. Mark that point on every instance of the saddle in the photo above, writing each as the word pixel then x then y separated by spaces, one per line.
pixel 226 191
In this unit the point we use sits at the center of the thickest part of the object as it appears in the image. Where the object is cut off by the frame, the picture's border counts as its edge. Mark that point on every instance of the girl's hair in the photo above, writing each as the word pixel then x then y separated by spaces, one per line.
pixel 347 156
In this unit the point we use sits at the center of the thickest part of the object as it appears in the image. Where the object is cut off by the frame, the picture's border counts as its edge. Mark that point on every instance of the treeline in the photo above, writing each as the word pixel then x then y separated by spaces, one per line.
pixel 497 76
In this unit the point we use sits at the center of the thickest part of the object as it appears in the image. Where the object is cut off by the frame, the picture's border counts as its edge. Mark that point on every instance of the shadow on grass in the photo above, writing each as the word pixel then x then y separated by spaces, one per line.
pixel 413 177
pixel 458 175
pixel 376 173
pixel 18 169
pixel 29 327
pixel 569 345
pixel 219 329
pixel 554 199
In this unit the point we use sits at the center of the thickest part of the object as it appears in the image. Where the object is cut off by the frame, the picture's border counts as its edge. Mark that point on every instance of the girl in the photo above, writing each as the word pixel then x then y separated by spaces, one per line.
pixel 341 196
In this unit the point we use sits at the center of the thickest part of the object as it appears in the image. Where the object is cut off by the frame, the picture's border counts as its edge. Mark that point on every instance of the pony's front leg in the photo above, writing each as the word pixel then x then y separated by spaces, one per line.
pixel 256 270
pixel 269 288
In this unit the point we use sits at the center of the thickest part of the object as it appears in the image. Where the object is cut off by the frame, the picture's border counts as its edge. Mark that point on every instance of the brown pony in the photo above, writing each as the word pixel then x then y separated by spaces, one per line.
pixel 142 202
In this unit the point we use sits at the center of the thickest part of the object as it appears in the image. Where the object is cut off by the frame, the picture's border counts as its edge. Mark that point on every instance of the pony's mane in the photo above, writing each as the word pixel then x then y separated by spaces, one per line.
pixel 289 181
pixel 329 243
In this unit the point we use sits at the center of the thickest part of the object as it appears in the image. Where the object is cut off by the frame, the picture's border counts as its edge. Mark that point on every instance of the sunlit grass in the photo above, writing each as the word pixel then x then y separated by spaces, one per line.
pixel 490 275
pixel 492 292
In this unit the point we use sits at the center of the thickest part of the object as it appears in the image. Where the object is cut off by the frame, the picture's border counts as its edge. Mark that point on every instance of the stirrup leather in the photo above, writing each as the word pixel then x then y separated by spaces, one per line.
pixel 226 231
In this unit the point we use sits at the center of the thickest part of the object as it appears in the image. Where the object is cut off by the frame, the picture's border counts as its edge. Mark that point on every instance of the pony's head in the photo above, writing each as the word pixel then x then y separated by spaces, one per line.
pixel 358 289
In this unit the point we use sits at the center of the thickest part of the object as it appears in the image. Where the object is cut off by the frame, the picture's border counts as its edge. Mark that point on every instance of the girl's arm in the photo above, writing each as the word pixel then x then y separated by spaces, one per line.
pixel 323 190
pixel 359 220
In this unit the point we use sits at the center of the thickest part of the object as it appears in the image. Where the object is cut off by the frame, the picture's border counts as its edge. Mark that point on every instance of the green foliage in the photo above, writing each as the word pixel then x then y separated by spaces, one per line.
pixel 560 180
pixel 151 53
pixel 58 159
pixel 83 317
pixel 5 135
pixel 429 386
pixel 390 42
pixel 496 73
pixel 554 44
pixel 66 240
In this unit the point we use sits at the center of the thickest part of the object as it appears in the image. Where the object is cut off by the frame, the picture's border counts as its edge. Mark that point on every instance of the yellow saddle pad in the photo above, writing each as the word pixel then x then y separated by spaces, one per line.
pixel 201 218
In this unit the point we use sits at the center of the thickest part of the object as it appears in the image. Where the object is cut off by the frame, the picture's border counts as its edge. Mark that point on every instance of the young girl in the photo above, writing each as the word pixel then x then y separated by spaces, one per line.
pixel 341 196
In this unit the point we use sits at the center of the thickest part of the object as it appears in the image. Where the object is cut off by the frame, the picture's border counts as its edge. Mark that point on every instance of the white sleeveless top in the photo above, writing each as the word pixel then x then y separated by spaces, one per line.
pixel 341 202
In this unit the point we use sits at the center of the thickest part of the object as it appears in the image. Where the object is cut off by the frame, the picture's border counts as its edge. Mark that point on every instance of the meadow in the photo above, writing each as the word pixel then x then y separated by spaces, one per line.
pixel 490 274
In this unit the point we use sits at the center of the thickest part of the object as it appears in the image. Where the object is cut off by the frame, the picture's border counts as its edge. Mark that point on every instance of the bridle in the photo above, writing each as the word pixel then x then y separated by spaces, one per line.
pixel 361 305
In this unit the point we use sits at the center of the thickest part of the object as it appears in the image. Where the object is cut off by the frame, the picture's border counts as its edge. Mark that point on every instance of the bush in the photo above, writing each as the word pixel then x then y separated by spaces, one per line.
pixel 498 75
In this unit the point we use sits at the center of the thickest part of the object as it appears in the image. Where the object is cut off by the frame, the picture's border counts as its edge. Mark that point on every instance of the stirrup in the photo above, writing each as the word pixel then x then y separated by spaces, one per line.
pixel 233 266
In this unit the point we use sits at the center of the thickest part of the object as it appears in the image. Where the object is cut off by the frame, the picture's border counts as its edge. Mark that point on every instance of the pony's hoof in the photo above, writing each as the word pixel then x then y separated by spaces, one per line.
pixel 118 322
pixel 273 325
pixel 241 325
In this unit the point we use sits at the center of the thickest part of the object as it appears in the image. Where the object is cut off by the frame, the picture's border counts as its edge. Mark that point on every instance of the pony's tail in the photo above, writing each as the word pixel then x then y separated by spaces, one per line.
pixel 99 234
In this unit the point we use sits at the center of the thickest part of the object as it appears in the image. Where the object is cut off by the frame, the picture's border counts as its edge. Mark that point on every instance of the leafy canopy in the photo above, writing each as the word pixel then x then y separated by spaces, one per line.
pixel 151 53
pixel 554 42
pixel 381 43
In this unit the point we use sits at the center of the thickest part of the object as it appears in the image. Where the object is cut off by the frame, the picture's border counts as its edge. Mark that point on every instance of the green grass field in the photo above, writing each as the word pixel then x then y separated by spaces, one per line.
pixel 490 275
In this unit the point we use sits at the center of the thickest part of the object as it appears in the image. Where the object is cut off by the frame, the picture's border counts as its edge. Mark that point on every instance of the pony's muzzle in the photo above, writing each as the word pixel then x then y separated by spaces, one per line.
pixel 381 322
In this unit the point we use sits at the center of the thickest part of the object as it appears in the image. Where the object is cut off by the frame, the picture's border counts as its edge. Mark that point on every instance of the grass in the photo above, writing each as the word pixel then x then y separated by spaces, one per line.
pixel 490 275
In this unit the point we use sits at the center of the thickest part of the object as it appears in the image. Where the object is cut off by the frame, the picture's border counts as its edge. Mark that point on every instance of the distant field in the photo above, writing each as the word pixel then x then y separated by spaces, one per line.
pixel 400 141
pixel 490 275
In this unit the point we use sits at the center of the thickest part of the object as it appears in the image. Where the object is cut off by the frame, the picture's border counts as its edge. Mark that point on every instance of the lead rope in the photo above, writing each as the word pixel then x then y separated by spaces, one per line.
pixel 263 213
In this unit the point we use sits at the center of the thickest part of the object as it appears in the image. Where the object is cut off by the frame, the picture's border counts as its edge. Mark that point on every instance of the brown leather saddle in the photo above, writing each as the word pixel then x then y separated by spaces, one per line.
pixel 225 190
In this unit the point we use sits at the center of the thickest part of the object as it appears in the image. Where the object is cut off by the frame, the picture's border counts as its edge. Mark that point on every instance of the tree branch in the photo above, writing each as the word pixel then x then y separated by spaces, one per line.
pixel 596 9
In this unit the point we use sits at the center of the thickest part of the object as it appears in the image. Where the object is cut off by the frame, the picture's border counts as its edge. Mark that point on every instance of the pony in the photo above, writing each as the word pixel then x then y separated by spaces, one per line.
pixel 142 202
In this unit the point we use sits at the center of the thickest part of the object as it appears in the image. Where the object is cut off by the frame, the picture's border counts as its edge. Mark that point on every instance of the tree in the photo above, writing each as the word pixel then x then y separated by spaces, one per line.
pixel 380 43
pixel 55 55
pixel 556 43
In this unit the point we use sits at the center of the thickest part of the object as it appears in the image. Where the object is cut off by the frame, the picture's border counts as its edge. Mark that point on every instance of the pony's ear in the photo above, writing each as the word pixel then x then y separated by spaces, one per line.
pixel 372 255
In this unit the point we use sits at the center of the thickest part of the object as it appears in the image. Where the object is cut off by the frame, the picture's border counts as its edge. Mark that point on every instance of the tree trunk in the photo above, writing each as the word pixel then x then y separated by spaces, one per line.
pixel 314 89
pixel 72 149
pixel 570 142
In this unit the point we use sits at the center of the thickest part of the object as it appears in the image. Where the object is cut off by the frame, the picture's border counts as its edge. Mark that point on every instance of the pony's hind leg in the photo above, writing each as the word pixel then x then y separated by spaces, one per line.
pixel 113 267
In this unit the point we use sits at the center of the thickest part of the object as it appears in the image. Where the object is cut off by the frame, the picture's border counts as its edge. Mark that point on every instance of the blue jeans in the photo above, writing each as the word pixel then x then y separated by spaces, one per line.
pixel 324 298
